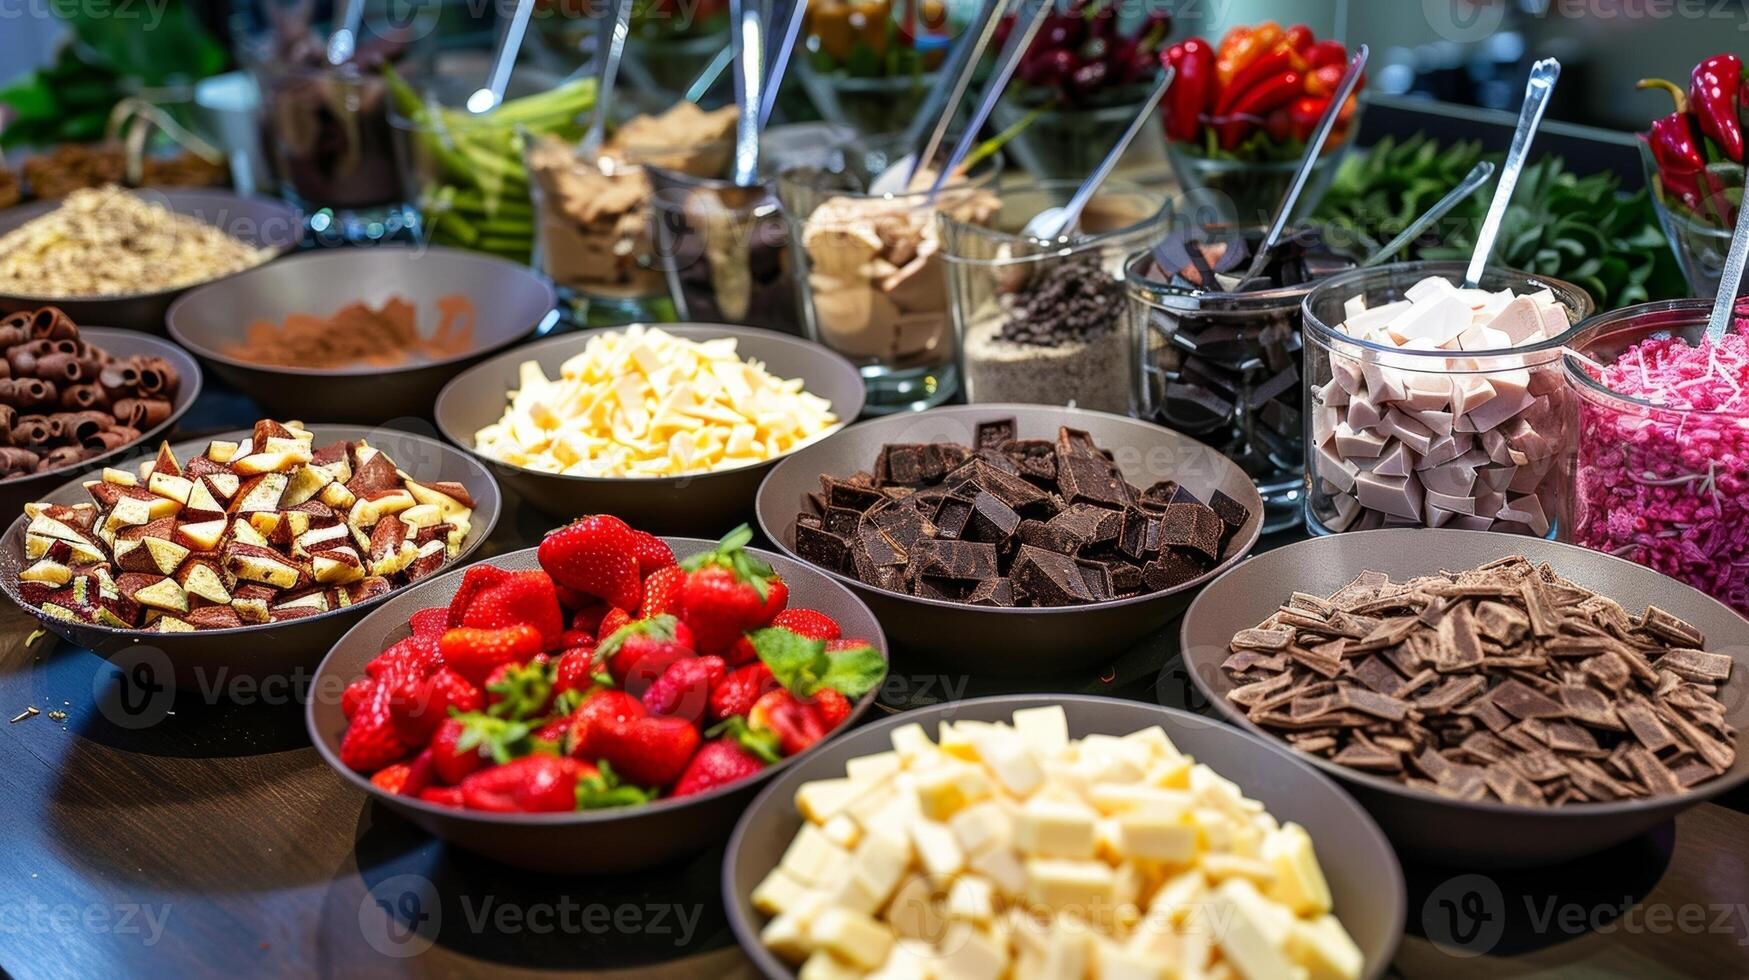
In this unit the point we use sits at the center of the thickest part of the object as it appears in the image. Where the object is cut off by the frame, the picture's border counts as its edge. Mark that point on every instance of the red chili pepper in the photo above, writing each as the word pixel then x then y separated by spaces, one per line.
pixel 1257 72
pixel 1715 92
pixel 1681 162
pixel 1306 111
pixel 1256 104
pixel 1192 89
pixel 1299 38
pixel 1326 53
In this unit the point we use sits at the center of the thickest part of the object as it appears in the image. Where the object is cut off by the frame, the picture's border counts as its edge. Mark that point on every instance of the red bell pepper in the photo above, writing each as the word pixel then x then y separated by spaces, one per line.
pixel 1257 103
pixel 1305 113
pixel 1243 45
pixel 1715 93
pixel 1261 70
pixel 1192 88
pixel 1326 53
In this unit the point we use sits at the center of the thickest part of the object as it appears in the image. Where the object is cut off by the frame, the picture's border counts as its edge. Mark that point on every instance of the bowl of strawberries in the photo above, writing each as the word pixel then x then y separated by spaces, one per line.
pixel 604 702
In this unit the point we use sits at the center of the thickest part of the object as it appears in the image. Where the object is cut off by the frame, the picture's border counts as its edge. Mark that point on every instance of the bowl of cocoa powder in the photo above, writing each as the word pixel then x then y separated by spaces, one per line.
pixel 362 335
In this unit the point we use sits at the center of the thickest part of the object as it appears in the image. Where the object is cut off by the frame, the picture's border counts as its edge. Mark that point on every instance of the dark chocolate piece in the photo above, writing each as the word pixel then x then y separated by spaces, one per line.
pixel 1192 527
pixel 995 433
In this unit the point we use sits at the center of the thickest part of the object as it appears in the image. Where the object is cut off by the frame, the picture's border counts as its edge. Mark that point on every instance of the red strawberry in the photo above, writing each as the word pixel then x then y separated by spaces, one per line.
pixel 430 622
pixel 417 655
pixel 601 708
pixel 554 730
pixel 521 690
pixel 718 763
pixel 662 591
pixel 474 581
pixel 597 555
pixel 393 779
pixel 637 653
pixel 531 784
pixel 652 553
pixel 611 623
pixel 646 751
pixel 371 741
pixel 572 599
pixel 587 618
pixel 417 706
pixel 684 689
pixel 443 795
pixel 475 653
pixel 740 690
pixel 728 592
pixel 832 707
pixel 452 764
pixel 575 671
pixel 811 623
pixel 520 597
pixel 575 639
pixel 796 723
pixel 355 695
pixel 846 643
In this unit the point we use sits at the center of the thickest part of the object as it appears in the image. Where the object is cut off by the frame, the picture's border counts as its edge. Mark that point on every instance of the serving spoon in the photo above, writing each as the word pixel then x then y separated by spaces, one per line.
pixel 1732 281
pixel 1537 90
pixel 590 146
pixel 1477 176
pixel 944 102
pixel 490 96
pixel 1057 222
pixel 1006 64
pixel 747 39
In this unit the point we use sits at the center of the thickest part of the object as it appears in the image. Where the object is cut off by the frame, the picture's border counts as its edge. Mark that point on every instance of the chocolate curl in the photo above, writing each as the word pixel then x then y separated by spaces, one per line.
pixel 81 397
pixel 22 357
pixel 157 377
pixel 29 431
pixel 26 392
pixel 142 413
pixel 63 456
pixel 14 460
pixel 5 368
pixel 82 427
pixel 110 440
pixel 12 334
pixel 8 415
pixel 50 323
pixel 61 367
pixel 119 380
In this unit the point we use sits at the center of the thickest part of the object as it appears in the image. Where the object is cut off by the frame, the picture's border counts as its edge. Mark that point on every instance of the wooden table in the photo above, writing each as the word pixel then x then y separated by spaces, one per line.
pixel 213 840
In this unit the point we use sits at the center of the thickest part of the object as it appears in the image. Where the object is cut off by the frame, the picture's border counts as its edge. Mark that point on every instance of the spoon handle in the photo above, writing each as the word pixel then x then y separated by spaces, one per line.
pixel 1543 75
pixel 509 44
pixel 709 76
pixel 1284 211
pixel 780 60
pixel 343 40
pixel 1084 193
pixel 944 103
pixel 616 46
pixel 747 38
pixel 1477 176
pixel 1006 63
pixel 1731 282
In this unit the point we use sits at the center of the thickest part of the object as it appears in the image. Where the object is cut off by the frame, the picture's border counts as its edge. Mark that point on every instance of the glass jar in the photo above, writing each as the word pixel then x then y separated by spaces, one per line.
pixel 723 250
pixel 1506 460
pixel 1225 368
pixel 871 280
pixel 1043 322
pixel 1069 143
pixel 1700 248
pixel 1248 191
pixel 1665 487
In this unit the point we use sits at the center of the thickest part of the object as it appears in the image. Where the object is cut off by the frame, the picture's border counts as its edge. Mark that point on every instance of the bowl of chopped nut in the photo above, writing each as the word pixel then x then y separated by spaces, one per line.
pixel 248 554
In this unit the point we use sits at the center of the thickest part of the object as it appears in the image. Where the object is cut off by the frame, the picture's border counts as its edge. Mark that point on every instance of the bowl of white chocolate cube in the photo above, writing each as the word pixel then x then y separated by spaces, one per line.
pixel 1056 837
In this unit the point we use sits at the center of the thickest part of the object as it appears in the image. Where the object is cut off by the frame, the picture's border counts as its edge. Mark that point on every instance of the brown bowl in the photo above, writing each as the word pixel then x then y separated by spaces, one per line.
pixel 587 842
pixel 21 490
pixel 1015 641
pixel 208 659
pixel 700 503
pixel 1432 827
pixel 1365 880
pixel 260 221
pixel 510 300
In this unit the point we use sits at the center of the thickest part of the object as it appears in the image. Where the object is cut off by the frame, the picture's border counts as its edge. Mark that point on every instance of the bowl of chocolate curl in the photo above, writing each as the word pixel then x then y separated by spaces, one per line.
pixel 76 398
pixel 1494 700
pixel 247 554
pixel 1014 540
pixel 360 335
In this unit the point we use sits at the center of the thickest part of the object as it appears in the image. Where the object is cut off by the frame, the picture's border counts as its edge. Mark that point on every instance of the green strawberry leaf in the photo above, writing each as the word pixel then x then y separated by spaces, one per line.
pixel 658 627
pixel 854 672
pixel 804 667
pixel 567 702
pixel 524 690
pixel 758 742
pixel 604 790
pixel 502 739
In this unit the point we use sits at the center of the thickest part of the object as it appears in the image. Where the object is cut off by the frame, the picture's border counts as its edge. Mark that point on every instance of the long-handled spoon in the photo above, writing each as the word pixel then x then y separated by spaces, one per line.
pixel 1056 222
pixel 747 38
pixel 780 60
pixel 1315 146
pixel 343 40
pixel 503 59
pixel 1477 176
pixel 1732 281
pixel 590 147
pixel 943 103
pixel 709 76
pixel 1536 100
pixel 1006 63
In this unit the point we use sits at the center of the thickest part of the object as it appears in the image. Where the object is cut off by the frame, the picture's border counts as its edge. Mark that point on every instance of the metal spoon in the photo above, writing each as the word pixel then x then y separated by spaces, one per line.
pixel 503 60
pixel 590 147
pixel 943 102
pixel 1054 223
pixel 343 41
pixel 1536 99
pixel 709 76
pixel 1006 63
pixel 747 39
pixel 1477 176
pixel 1315 146
pixel 1732 280
pixel 780 60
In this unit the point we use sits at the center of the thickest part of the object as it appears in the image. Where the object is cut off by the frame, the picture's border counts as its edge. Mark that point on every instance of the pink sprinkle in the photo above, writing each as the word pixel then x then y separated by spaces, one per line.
pixel 1660 486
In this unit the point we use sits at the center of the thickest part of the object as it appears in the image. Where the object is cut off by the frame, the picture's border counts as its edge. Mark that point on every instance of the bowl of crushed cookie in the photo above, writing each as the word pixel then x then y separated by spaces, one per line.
pixel 302 335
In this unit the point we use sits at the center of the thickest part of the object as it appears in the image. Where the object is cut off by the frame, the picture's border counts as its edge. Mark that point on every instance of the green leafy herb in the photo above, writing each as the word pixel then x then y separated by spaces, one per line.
pixel 804 667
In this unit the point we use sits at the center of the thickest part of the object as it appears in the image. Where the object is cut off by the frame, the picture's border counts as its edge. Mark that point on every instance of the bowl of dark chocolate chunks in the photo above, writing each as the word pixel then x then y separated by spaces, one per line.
pixel 1013 539
pixel 1494 700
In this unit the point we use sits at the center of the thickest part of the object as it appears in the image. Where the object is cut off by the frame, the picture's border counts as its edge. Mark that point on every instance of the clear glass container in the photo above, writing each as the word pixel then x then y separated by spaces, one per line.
pixel 1665 487
pixel 871 279
pixel 1700 248
pixel 723 250
pixel 1507 459
pixel 1225 368
pixel 1249 191
pixel 866 105
pixel 1069 143
pixel 1043 322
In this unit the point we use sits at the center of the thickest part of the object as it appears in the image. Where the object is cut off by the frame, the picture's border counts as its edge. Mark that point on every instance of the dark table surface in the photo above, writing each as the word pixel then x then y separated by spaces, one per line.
pixel 193 834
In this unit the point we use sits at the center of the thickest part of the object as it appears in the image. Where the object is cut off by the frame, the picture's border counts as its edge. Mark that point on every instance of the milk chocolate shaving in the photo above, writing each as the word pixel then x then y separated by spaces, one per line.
pixel 1504 682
